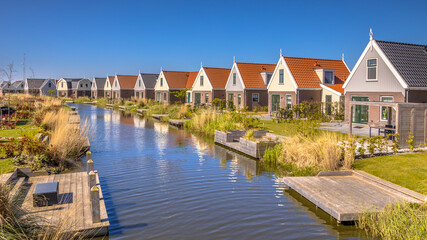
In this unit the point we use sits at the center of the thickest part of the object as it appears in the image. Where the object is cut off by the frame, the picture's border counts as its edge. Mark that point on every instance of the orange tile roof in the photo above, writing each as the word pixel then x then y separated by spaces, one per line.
pixel 336 87
pixel 176 79
pixel 303 70
pixel 111 80
pixel 127 81
pixel 217 76
pixel 191 78
pixel 251 73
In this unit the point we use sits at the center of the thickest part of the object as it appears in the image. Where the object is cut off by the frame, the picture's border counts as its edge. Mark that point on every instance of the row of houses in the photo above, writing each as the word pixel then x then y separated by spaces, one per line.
pixel 385 72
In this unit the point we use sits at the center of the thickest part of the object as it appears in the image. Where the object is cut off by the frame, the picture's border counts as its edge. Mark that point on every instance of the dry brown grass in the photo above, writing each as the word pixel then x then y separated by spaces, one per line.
pixel 322 152
pixel 67 139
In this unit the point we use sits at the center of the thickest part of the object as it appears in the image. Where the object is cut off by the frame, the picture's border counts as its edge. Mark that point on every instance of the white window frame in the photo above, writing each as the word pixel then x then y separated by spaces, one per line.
pixel 161 82
pixel 282 74
pixel 201 81
pixel 286 100
pixel 376 72
pixel 253 94
pixel 381 107
pixel 234 79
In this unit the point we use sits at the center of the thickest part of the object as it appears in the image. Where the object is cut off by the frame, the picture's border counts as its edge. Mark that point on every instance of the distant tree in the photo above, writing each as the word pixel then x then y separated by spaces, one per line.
pixel 50 92
pixel 180 94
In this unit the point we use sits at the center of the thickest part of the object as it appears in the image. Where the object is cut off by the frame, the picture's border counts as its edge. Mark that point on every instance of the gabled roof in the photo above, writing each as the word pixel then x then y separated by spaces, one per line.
pixel 149 80
pixel 127 81
pixel 111 80
pixel 410 60
pixel 336 87
pixel 75 82
pixel 191 78
pixel 217 76
pixel 303 70
pixel 251 73
pixel 100 82
pixel 16 84
pixel 176 79
pixel 36 83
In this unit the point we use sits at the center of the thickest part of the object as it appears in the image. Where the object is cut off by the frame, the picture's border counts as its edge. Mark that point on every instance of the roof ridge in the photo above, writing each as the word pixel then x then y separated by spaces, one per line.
pixel 218 68
pixel 412 44
pixel 176 71
pixel 258 63
pixel 324 59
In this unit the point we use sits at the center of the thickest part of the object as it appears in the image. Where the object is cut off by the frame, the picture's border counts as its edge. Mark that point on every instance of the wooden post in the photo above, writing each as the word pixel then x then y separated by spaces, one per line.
pixel 92 179
pixel 412 121
pixel 89 166
pixel 351 121
pixel 96 209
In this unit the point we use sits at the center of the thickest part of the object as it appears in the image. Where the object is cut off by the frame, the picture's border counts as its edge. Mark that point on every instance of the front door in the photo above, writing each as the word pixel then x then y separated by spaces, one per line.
pixel 197 98
pixel 360 113
pixel 275 102
pixel 230 100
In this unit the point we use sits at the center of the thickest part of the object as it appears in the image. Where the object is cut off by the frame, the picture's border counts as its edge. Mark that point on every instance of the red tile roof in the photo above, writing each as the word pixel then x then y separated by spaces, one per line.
pixel 303 70
pixel 176 79
pixel 251 73
pixel 127 81
pixel 336 87
pixel 217 76
pixel 191 78
pixel 111 80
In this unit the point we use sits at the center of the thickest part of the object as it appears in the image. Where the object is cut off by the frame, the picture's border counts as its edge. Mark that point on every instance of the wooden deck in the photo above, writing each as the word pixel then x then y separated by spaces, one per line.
pixel 179 123
pixel 159 116
pixel 74 211
pixel 345 195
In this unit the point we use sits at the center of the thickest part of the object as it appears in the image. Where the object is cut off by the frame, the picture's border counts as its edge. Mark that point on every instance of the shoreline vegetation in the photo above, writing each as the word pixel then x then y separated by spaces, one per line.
pixel 308 150
pixel 42 137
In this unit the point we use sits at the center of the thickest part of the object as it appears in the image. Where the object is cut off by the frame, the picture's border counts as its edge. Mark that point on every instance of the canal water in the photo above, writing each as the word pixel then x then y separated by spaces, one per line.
pixel 163 183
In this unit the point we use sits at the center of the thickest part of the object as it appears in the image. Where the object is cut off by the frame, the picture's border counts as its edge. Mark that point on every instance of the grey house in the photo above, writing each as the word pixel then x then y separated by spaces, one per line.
pixel 97 89
pixel 74 87
pixel 386 72
pixel 17 87
pixel 144 86
pixel 40 87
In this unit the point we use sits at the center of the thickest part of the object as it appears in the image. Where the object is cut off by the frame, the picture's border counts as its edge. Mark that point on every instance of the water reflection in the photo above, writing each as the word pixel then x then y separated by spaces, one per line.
pixel 163 183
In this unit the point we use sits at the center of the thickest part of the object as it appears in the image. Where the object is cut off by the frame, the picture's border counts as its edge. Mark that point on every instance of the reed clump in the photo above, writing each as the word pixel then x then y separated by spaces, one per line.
pixel 396 221
pixel 206 121
pixel 67 140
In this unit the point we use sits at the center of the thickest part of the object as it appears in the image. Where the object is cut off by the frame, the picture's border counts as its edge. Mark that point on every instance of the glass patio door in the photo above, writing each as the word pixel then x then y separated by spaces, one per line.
pixel 197 98
pixel 360 113
pixel 275 102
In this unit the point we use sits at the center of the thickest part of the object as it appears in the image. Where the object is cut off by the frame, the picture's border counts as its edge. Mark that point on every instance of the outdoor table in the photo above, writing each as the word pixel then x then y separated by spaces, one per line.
pixel 45 194
pixel 392 130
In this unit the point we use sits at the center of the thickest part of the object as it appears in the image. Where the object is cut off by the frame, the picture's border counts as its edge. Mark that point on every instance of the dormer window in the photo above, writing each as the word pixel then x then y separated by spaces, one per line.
pixel 201 80
pixel 328 77
pixel 371 74
pixel 234 78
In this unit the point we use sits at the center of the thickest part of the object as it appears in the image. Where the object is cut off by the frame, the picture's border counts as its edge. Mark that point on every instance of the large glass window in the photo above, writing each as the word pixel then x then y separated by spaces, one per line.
pixel 255 97
pixel 239 99
pixel 206 97
pixel 372 69
pixel 164 97
pixel 137 94
pixel 158 97
pixel 329 77
pixel 385 110
pixel 281 76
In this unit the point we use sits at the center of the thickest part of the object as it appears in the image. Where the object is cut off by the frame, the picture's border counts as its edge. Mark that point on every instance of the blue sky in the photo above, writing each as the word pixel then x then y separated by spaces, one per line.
pixel 95 38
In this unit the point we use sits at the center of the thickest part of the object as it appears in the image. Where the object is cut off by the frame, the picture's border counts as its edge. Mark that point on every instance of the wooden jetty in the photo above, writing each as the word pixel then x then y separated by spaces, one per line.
pixel 73 212
pixel 345 195
pixel 234 139
pixel 141 111
pixel 159 116
pixel 179 123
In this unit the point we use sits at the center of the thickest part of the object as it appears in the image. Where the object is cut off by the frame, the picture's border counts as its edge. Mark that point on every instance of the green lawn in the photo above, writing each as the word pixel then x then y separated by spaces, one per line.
pixel 407 170
pixel 24 127
pixel 6 165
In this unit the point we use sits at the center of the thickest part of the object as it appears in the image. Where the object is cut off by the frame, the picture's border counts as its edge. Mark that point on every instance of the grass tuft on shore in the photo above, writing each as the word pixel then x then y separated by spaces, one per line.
pixel 396 221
